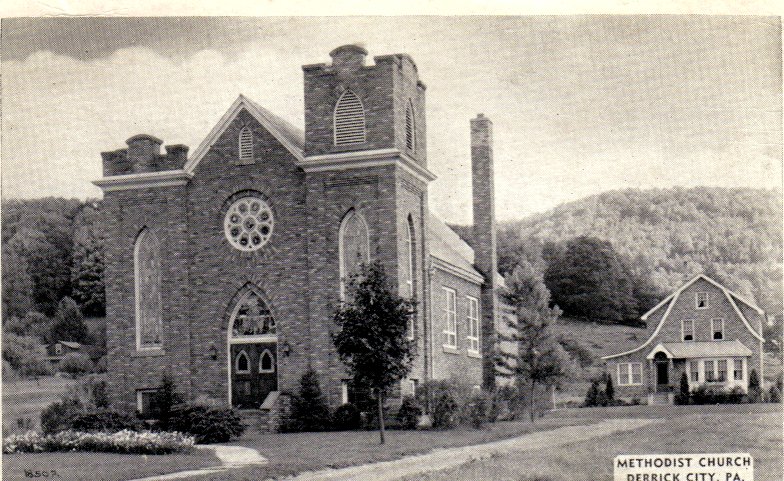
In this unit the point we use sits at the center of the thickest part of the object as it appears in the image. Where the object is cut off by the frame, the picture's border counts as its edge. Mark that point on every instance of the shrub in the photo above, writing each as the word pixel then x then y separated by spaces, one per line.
pixel 76 364
pixel 309 409
pixel 755 394
pixel 478 410
pixel 59 416
pixel 105 420
pixel 346 418
pixel 127 442
pixel 164 400
pixel 100 366
pixel 592 396
pixel 774 395
pixel 408 414
pixel 683 394
pixel 25 354
pixel 445 411
pixel 706 395
pixel 609 389
pixel 207 424
pixel 507 403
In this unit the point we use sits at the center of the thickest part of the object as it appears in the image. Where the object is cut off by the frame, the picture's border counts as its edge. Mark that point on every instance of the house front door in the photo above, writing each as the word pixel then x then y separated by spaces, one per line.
pixel 254 373
pixel 662 372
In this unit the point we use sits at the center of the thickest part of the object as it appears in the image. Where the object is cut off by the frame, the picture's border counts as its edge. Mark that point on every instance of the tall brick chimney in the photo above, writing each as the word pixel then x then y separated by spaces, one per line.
pixel 485 256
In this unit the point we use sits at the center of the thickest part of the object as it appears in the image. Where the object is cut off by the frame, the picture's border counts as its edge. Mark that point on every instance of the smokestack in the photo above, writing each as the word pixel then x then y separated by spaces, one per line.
pixel 484 230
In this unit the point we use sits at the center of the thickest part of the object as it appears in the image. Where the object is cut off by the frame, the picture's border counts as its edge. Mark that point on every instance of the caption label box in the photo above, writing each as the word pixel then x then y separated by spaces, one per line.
pixel 684 467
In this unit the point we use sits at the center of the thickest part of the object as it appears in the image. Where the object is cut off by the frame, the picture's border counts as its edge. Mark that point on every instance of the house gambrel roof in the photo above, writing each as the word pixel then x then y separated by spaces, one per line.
pixel 672 299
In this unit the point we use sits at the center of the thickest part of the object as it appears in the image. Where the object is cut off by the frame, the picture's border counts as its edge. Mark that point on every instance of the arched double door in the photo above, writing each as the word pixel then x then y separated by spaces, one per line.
pixel 253 351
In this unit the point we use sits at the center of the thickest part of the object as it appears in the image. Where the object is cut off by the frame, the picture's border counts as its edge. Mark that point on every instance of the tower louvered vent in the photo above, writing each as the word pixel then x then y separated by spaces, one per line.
pixel 349 120
pixel 410 143
pixel 246 144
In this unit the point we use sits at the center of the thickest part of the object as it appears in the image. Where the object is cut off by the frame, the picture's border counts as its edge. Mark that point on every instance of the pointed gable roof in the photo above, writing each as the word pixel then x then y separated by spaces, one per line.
pixel 288 135
pixel 672 299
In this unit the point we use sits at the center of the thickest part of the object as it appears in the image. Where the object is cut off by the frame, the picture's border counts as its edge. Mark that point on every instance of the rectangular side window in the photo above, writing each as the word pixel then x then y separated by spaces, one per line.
pixel 687 330
pixel 473 324
pixel 737 372
pixel 450 316
pixel 717 329
pixel 695 371
pixel 702 300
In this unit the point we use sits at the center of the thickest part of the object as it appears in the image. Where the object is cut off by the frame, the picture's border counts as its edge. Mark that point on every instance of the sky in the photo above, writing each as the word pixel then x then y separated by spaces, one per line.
pixel 580 104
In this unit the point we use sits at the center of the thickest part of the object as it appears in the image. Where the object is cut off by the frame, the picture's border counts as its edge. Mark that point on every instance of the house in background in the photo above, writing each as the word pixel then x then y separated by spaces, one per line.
pixel 57 350
pixel 703 329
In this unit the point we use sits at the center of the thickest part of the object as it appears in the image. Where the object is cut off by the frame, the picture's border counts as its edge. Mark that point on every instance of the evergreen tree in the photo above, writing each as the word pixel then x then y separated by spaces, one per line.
pixel 592 396
pixel 69 323
pixel 609 389
pixel 755 390
pixel 684 393
pixel 309 409
pixel 372 340
pixel 164 400
pixel 541 360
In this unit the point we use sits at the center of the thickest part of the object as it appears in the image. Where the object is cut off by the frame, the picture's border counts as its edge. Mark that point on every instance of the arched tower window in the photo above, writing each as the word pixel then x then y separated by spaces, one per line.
pixel 252 317
pixel 349 120
pixel 410 127
pixel 147 280
pixel 410 265
pixel 354 247
pixel 246 144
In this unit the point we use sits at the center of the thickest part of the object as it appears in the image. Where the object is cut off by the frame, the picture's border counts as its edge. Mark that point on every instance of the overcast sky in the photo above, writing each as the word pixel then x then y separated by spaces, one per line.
pixel 580 105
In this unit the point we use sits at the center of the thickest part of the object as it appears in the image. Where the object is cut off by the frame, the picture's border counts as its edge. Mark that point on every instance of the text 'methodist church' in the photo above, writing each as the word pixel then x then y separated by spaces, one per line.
pixel 223 268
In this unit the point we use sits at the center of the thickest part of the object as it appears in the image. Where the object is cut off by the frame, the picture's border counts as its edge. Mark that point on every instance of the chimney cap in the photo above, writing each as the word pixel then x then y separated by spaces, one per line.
pixel 149 137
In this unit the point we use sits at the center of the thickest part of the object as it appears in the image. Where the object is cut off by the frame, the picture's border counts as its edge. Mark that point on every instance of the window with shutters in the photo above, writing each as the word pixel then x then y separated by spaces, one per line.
pixel 410 127
pixel 349 120
pixel 246 145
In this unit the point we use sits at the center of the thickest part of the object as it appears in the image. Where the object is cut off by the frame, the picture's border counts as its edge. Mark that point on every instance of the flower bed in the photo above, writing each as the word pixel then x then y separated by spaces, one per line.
pixel 125 441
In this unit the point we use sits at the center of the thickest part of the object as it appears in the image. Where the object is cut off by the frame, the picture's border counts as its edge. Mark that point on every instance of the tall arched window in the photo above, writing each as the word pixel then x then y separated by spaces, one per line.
pixel 410 269
pixel 410 127
pixel 246 144
pixel 354 247
pixel 349 120
pixel 147 280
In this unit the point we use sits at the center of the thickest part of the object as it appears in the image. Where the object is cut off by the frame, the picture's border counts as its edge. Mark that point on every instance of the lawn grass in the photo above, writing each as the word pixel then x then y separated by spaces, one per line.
pixel 297 452
pixel 26 398
pixel 103 466
pixel 755 429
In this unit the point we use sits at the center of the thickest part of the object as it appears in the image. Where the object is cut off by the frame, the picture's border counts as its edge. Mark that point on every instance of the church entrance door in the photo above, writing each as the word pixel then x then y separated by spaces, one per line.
pixel 254 373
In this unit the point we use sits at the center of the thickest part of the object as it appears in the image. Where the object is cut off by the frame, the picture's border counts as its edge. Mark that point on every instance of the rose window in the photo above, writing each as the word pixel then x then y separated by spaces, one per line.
pixel 248 223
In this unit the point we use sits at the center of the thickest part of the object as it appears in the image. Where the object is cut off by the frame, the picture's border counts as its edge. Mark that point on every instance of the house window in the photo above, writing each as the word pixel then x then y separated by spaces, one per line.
pixel 473 325
pixel 246 144
pixel 687 330
pixel 717 329
pixel 146 403
pixel 58 349
pixel 252 317
pixel 349 120
pixel 721 364
pixel 147 277
pixel 242 363
pixel 702 300
pixel 344 392
pixel 353 246
pixel 737 372
pixel 629 373
pixel 710 374
pixel 410 127
pixel 450 315
pixel 248 223
pixel 694 369
pixel 266 362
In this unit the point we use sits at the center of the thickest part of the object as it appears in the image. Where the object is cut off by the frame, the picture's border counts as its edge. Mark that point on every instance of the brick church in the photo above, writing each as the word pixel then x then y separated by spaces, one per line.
pixel 223 268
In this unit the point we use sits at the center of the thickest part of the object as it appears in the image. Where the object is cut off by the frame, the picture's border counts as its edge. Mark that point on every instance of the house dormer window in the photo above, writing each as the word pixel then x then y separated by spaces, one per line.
pixel 687 330
pixel 349 120
pixel 702 300
pixel 717 329
pixel 246 145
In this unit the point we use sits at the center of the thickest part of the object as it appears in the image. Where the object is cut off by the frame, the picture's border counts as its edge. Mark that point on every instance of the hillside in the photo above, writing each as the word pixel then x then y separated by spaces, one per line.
pixel 734 234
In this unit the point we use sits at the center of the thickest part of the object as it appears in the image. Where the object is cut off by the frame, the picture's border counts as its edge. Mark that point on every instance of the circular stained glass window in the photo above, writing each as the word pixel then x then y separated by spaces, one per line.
pixel 248 223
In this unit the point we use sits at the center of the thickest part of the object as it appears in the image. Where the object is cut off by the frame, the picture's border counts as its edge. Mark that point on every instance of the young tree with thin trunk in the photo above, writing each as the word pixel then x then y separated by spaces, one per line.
pixel 372 340
pixel 541 360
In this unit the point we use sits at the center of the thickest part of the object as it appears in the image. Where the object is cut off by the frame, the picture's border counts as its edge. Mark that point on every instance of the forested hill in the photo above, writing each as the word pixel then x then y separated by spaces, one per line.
pixel 734 234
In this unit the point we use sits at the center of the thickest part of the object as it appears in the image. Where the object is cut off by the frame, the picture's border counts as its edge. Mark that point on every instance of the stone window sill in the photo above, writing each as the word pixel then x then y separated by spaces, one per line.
pixel 474 354
pixel 148 352
pixel 451 349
